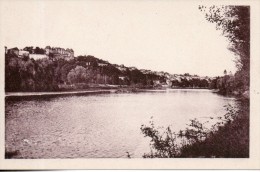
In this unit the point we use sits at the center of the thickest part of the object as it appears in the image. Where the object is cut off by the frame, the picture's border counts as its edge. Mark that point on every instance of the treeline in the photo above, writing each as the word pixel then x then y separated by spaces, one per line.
pixel 234 22
pixel 231 84
pixel 191 83
pixel 25 74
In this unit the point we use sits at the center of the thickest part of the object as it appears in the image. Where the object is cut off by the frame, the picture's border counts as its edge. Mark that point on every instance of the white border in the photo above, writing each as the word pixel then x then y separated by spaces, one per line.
pixel 186 163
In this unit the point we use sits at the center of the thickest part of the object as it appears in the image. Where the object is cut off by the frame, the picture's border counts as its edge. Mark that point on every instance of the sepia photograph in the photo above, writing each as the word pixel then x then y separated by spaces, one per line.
pixel 106 80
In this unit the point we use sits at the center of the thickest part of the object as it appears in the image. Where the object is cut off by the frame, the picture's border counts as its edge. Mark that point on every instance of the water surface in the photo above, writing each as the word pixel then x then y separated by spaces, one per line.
pixel 102 125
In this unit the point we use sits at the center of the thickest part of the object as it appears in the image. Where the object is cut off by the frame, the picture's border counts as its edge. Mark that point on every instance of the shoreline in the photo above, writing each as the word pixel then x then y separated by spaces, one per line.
pixel 76 92
pixel 231 140
pixel 19 96
pixel 31 95
pixel 10 94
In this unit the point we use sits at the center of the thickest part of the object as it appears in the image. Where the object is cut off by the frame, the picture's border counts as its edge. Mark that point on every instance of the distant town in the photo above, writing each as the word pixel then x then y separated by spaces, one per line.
pixel 64 71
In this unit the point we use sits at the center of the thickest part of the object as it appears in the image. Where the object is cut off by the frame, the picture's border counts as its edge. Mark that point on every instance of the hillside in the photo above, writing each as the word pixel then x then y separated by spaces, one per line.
pixel 60 71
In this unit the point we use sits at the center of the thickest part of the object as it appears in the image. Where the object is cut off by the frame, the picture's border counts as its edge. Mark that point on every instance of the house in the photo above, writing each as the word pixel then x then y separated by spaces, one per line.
pixel 122 77
pixel 102 64
pixel 37 56
pixel 161 73
pixel 59 53
pixel 23 53
pixel 121 68
pixel 132 68
pixel 144 71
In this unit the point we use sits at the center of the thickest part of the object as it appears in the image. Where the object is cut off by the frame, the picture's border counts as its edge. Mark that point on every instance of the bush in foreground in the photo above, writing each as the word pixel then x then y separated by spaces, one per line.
pixel 228 138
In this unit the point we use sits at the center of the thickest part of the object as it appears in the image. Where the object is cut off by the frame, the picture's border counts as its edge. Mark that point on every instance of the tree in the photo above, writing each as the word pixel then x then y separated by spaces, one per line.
pixel 78 75
pixel 234 21
pixel 29 49
pixel 39 50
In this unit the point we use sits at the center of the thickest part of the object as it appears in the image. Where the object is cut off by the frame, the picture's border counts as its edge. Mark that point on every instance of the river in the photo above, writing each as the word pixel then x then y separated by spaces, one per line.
pixel 101 125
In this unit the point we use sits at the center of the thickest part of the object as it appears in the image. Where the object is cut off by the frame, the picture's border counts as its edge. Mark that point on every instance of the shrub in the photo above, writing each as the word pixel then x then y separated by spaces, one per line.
pixel 229 137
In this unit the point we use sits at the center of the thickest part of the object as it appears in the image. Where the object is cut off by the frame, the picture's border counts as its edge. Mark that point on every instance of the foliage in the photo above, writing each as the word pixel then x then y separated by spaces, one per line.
pixel 29 49
pixel 229 137
pixel 234 21
pixel 39 50
pixel 78 75
pixel 50 74
pixel 195 132
pixel 163 145
pixel 192 83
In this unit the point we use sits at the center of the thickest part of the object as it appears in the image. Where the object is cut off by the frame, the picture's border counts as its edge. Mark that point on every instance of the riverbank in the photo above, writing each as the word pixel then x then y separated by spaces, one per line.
pixel 87 91
pixel 101 90
pixel 228 137
pixel 230 141
pixel 29 95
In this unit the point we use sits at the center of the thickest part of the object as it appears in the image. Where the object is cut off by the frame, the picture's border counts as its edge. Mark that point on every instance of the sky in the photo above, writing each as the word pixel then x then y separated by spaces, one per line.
pixel 170 36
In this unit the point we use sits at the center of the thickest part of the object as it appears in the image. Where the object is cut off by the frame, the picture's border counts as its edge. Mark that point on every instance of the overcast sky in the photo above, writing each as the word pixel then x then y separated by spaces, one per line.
pixel 170 36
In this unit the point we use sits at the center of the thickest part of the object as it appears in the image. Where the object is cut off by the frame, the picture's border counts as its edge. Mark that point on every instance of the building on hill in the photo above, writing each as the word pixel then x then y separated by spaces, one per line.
pixel 121 67
pixel 102 64
pixel 122 78
pixel 132 68
pixel 19 53
pixel 161 73
pixel 59 53
pixel 37 56
pixel 39 53
pixel 23 53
